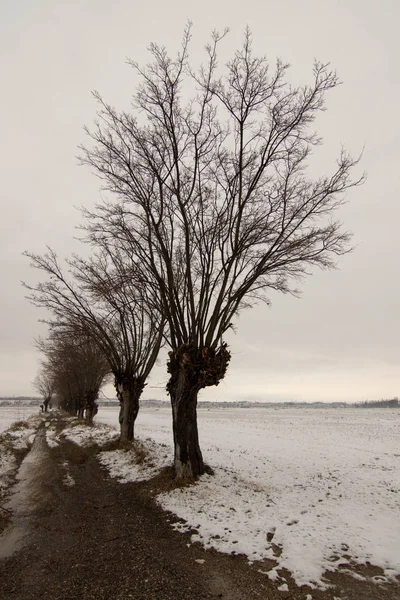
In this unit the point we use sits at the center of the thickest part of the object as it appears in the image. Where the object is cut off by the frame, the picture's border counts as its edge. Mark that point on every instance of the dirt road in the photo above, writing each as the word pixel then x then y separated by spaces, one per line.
pixel 91 538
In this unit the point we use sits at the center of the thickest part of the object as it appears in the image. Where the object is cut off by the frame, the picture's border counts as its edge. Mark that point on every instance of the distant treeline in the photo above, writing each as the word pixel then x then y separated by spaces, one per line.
pixel 388 403
pixel 20 401
pixel 392 403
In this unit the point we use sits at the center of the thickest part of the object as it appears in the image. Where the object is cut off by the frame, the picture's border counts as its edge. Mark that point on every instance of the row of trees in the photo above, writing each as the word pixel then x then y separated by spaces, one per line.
pixel 389 403
pixel 99 303
pixel 209 207
pixel 74 369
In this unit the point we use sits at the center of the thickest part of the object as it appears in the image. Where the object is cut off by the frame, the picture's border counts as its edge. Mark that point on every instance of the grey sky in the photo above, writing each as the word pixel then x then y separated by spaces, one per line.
pixel 342 339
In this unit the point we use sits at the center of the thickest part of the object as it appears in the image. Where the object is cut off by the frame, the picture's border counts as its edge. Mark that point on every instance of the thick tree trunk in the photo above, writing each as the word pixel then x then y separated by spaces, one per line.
pixel 129 390
pixel 90 413
pixel 188 459
pixel 90 405
pixel 191 370
pixel 75 406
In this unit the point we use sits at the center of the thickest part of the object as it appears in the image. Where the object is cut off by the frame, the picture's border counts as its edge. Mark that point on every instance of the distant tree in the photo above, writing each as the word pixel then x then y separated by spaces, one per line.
pixel 389 403
pixel 212 203
pixel 78 368
pixel 44 384
pixel 101 300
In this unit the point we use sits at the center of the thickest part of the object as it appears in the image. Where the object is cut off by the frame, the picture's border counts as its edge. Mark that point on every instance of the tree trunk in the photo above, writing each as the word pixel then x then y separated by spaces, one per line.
pixel 191 370
pixel 90 413
pixel 90 405
pixel 129 390
pixel 188 460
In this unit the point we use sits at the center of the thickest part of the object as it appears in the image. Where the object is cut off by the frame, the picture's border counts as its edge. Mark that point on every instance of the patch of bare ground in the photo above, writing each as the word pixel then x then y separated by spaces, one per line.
pixel 102 540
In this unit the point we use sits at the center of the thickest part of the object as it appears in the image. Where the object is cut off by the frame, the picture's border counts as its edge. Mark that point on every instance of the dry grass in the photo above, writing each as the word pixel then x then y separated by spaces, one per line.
pixel 138 448
pixel 5 443
pixel 141 452
pixel 116 444
pixel 19 425
pixel 74 422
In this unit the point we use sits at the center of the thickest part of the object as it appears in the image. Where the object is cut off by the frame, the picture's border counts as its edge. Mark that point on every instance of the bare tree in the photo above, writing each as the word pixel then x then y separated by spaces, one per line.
pixel 78 369
pixel 44 384
pixel 212 203
pixel 102 301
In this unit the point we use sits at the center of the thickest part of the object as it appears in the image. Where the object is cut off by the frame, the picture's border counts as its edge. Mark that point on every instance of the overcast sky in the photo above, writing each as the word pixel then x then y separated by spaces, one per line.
pixel 341 340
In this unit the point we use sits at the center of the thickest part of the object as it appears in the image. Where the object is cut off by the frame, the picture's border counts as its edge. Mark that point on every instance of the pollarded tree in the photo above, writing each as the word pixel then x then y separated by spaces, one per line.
pixel 100 300
pixel 212 202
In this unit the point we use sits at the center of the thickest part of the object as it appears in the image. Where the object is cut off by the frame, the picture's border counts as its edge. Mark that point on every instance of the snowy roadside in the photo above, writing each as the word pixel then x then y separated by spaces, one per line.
pixel 80 434
pixel 139 462
pixel 14 443
pixel 312 490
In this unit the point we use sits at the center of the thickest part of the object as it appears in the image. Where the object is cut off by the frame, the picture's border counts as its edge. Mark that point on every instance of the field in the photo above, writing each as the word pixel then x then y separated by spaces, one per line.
pixel 10 414
pixel 306 490
pixel 320 485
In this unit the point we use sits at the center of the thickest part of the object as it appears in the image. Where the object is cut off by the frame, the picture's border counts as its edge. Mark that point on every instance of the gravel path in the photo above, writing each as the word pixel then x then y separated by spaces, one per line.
pixel 100 540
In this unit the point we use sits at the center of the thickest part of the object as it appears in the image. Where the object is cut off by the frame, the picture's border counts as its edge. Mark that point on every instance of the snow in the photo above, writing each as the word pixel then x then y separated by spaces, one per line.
pixel 19 437
pixel 8 466
pixel 323 485
pixel 83 435
pixel 11 414
pixel 128 466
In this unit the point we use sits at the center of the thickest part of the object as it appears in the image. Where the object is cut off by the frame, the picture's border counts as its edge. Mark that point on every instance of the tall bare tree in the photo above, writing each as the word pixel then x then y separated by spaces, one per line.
pixel 212 203
pixel 102 301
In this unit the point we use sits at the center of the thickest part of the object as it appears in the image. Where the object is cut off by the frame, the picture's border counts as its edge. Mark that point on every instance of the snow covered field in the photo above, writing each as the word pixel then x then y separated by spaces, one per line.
pixel 321 484
pixel 11 414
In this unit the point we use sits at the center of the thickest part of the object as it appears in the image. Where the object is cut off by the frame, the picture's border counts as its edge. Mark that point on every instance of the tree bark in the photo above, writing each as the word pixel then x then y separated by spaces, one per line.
pixel 191 370
pixel 46 403
pixel 188 459
pixel 129 389
pixel 90 405
pixel 90 413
